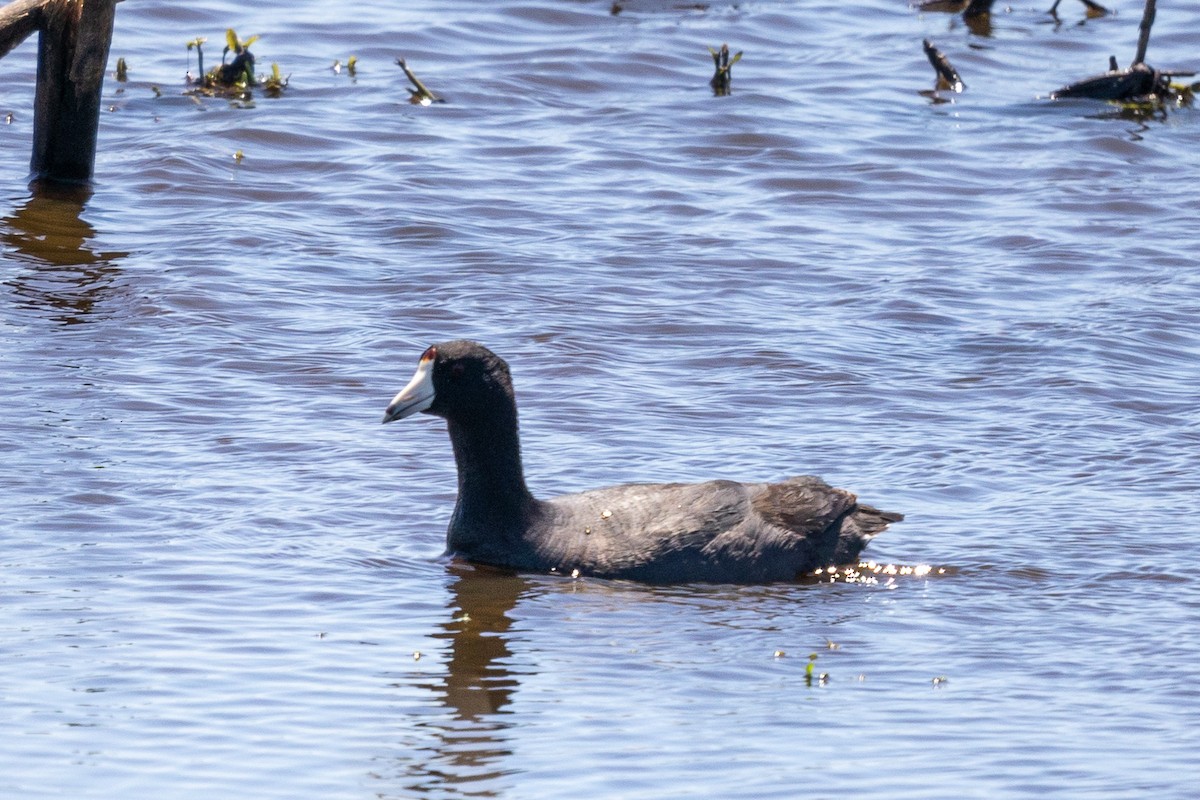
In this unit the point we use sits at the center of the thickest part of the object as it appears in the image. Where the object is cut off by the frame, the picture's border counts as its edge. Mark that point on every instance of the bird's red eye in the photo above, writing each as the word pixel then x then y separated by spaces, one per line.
pixel 457 370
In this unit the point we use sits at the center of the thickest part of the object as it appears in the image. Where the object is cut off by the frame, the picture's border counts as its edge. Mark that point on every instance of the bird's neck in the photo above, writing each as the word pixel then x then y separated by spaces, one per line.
pixel 491 482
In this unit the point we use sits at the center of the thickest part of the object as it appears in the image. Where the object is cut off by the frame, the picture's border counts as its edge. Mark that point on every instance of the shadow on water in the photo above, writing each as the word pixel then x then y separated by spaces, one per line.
pixel 470 743
pixel 65 275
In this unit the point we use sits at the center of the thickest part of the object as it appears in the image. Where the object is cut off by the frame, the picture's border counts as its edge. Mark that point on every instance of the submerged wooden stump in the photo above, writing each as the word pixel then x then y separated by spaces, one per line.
pixel 1141 83
pixel 73 42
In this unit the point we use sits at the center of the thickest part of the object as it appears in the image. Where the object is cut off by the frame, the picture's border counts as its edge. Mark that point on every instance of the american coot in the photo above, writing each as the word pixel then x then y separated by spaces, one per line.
pixel 719 531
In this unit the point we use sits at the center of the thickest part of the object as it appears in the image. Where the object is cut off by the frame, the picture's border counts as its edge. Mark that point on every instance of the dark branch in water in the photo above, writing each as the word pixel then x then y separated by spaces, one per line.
pixel 420 95
pixel 722 79
pixel 947 75
pixel 1139 83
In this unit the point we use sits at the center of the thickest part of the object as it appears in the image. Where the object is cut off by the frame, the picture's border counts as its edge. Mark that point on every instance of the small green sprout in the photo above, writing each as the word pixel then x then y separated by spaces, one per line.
pixel 810 674
pixel 275 83
pixel 198 44
pixel 232 42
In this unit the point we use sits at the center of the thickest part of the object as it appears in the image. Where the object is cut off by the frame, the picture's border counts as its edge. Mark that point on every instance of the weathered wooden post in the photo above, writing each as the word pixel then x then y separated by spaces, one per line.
pixel 72 54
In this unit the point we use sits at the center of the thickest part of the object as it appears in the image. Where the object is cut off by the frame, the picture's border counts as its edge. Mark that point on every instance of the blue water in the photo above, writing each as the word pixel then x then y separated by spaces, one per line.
pixel 222 577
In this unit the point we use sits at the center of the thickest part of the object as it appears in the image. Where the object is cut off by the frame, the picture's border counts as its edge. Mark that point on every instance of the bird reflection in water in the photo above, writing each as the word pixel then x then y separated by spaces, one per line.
pixel 470 743
pixel 64 274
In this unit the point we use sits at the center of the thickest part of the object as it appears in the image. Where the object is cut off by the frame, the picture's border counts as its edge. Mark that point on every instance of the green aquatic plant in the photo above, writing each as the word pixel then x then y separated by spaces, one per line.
pixel 234 78
pixel 122 73
pixel 198 45
pixel 722 79
pixel 240 71
pixel 275 83
pixel 810 672
pixel 233 43
pixel 351 66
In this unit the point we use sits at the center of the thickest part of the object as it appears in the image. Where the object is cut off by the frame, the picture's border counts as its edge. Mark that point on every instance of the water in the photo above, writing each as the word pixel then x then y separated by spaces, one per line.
pixel 221 575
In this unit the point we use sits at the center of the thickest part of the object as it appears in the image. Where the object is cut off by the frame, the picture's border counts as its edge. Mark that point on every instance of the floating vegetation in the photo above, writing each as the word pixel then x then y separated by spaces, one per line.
pixel 947 76
pixel 274 84
pixel 351 66
pixel 233 79
pixel 811 675
pixel 419 95
pixel 122 73
pixel 722 79
pixel 241 69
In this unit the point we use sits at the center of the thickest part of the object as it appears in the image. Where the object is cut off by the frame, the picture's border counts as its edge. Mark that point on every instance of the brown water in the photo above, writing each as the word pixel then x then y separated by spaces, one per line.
pixel 219 569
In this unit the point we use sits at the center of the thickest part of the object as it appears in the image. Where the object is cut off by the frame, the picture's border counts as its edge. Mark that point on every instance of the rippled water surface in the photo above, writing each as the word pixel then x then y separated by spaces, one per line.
pixel 221 577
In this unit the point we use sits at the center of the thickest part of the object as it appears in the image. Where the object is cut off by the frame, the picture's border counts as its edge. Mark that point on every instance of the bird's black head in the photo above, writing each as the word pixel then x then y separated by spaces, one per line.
pixel 460 380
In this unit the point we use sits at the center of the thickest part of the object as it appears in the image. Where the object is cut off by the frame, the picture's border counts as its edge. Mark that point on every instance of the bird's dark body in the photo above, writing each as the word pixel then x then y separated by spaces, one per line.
pixel 718 531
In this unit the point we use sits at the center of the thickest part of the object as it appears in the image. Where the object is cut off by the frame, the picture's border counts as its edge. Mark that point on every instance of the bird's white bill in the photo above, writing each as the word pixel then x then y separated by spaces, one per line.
pixel 416 396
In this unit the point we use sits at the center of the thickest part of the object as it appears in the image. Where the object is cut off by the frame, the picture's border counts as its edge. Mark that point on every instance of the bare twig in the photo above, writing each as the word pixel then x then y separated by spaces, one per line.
pixel 947 75
pixel 1144 32
pixel 420 94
